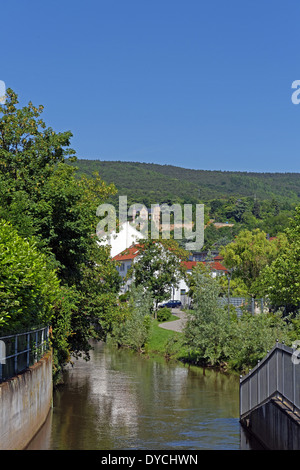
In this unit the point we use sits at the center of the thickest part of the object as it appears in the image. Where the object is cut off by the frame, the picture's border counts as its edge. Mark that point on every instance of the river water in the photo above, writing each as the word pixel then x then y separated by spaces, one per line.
pixel 123 401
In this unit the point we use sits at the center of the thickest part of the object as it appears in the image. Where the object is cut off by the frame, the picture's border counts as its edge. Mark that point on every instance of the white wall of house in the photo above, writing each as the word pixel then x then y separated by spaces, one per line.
pixel 123 270
pixel 181 291
pixel 120 241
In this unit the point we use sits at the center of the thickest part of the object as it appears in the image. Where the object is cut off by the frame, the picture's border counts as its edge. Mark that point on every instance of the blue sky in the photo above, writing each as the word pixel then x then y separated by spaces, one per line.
pixel 197 84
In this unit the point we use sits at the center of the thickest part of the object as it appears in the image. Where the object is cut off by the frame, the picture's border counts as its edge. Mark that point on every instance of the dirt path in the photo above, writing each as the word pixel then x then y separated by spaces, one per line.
pixel 176 325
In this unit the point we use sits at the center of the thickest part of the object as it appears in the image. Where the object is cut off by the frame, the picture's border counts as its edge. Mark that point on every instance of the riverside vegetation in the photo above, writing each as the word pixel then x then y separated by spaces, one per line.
pixel 54 272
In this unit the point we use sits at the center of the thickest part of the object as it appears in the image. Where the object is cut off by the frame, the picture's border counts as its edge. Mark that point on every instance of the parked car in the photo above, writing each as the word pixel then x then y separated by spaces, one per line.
pixel 171 304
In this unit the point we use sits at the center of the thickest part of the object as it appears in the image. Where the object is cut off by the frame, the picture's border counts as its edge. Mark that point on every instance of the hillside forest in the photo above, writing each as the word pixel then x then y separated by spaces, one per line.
pixel 233 201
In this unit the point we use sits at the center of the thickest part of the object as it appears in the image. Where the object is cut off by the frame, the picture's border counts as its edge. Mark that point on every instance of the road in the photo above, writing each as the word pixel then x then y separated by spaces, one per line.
pixel 176 325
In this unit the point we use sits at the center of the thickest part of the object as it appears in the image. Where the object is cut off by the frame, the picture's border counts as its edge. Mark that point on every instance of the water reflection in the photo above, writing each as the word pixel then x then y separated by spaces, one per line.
pixel 119 400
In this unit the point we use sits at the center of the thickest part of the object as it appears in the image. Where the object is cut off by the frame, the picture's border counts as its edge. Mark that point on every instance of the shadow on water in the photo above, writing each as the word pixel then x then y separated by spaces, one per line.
pixel 122 401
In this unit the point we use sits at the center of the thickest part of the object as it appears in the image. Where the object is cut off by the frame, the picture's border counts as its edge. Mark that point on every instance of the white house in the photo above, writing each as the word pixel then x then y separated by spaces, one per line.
pixel 125 260
pixel 129 255
pixel 120 241
pixel 181 291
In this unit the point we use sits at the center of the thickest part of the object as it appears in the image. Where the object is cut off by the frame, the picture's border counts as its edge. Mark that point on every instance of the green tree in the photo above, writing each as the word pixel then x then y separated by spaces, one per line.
pixel 134 331
pixel 251 336
pixel 281 279
pixel 43 196
pixel 40 192
pixel 28 149
pixel 248 255
pixel 28 282
pixel 207 328
pixel 158 269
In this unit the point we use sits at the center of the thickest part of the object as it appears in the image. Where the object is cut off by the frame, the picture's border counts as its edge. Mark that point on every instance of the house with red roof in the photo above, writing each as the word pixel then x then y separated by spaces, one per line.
pixel 130 255
pixel 125 260
pixel 216 268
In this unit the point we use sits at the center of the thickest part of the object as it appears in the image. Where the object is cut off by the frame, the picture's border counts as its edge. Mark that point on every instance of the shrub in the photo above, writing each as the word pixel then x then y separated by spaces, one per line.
pixel 251 336
pixel 207 328
pixel 135 329
pixel 28 283
pixel 163 314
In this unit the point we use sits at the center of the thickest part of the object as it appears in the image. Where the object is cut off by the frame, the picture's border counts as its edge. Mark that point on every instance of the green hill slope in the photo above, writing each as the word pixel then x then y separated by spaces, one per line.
pixel 152 183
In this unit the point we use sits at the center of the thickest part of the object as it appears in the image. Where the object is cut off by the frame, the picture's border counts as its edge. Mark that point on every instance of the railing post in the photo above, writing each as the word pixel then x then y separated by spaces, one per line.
pixel 258 382
pixel 42 342
pixel 268 376
pixel 2 357
pixel 277 367
pixel 36 346
pixel 294 383
pixel 283 367
pixel 16 355
pixel 28 349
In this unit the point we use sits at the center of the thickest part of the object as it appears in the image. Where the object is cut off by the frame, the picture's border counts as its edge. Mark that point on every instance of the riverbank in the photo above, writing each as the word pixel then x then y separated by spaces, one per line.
pixel 167 341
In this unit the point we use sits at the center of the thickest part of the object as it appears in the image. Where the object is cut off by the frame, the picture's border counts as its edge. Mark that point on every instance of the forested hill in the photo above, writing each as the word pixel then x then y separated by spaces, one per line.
pixel 152 183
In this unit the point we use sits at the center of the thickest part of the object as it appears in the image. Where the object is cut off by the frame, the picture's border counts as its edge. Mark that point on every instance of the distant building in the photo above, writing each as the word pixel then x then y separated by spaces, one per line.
pixel 120 241
pixel 181 292
pixel 125 260
pixel 130 255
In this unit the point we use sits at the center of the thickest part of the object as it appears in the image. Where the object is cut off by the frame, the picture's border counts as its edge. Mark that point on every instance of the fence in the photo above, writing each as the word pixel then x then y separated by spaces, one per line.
pixel 19 351
pixel 277 375
pixel 250 305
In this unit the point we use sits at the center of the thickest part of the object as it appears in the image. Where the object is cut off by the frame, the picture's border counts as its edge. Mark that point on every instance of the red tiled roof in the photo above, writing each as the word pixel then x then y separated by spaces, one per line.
pixel 216 266
pixel 129 253
pixel 134 250
pixel 190 264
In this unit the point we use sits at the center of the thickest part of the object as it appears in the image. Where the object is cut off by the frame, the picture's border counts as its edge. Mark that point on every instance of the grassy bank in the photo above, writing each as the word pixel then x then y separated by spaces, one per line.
pixel 164 342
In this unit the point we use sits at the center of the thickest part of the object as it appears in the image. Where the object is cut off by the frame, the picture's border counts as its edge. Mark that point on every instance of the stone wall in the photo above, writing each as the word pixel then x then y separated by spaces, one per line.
pixel 25 402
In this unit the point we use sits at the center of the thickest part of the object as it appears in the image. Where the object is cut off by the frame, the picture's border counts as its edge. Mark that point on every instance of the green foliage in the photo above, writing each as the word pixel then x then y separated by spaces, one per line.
pixel 248 255
pixel 134 331
pixel 28 282
pixel 251 336
pixel 163 314
pixel 158 269
pixel 281 279
pixel 151 183
pixel 43 197
pixel 64 308
pixel 238 343
pixel 251 201
pixel 28 149
pixel 207 328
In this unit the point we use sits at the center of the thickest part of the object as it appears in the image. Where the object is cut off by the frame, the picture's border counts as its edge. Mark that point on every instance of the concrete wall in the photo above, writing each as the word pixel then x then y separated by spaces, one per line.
pixel 25 401
pixel 275 426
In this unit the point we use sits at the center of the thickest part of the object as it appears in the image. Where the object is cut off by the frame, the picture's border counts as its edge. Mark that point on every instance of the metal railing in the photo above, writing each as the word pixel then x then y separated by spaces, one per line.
pixel 276 376
pixel 19 351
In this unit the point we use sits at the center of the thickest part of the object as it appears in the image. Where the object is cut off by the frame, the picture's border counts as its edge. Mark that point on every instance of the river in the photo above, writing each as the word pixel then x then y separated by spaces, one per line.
pixel 123 401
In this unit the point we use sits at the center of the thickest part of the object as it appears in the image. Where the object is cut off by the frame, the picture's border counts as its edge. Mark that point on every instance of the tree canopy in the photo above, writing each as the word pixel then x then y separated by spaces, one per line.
pixel 248 255
pixel 52 263
pixel 158 269
pixel 281 279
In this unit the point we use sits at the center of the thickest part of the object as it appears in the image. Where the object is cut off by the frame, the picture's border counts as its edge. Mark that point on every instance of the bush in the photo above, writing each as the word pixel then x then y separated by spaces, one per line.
pixel 135 329
pixel 206 332
pixel 28 283
pixel 251 336
pixel 65 306
pixel 163 314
